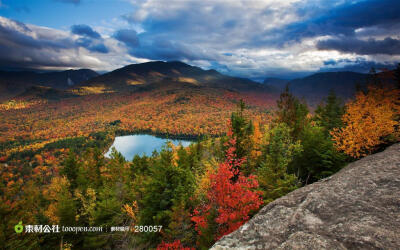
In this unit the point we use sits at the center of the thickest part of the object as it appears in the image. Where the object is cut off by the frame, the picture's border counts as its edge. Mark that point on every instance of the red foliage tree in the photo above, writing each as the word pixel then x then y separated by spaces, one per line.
pixel 231 195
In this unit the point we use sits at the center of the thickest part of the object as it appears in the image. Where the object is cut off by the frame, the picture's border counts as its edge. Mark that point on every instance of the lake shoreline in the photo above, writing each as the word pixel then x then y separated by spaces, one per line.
pixel 142 144
pixel 164 135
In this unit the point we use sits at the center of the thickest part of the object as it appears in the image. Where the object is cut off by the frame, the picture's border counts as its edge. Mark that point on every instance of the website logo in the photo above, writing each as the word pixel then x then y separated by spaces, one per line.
pixel 19 227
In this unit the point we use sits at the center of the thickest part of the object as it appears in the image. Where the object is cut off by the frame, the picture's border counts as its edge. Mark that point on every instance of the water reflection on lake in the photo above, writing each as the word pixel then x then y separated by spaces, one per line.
pixel 130 145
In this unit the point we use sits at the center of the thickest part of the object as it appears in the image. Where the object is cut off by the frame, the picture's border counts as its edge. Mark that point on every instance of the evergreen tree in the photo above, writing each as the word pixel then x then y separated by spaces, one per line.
pixel 89 172
pixel 70 169
pixel 329 115
pixel 278 152
pixel 180 227
pixel 319 158
pixel 373 77
pixel 116 170
pixel 62 208
pixel 242 129
pixel 102 205
pixel 139 166
pixel 108 212
pixel 184 158
pixel 167 186
pixel 292 112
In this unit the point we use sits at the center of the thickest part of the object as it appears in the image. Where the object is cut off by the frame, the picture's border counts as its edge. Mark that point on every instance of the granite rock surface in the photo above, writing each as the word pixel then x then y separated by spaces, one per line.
pixel 357 208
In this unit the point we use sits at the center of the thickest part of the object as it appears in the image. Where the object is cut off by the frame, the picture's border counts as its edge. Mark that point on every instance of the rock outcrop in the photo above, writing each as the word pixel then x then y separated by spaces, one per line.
pixel 357 208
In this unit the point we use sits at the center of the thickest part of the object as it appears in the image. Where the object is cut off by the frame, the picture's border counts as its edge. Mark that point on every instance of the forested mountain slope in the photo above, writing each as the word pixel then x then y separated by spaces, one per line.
pixel 13 83
pixel 150 75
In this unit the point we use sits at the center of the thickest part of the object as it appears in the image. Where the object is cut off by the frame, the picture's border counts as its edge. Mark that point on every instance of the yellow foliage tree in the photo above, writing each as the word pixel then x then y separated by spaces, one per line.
pixel 88 203
pixel 60 209
pixel 368 122
pixel 256 140
pixel 132 212
pixel 203 179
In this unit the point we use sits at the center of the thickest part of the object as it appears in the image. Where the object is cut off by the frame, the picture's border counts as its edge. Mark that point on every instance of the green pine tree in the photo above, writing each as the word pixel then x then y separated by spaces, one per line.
pixel 278 152
pixel 329 114
pixel 292 111
pixel 70 169
pixel 166 186
pixel 242 129
pixel 319 158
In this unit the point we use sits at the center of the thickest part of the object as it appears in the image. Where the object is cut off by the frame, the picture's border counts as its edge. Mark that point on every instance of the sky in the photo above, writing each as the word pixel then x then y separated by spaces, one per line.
pixel 246 38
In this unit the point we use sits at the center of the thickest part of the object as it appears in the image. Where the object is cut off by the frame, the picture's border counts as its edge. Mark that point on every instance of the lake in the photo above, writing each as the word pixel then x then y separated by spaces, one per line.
pixel 130 145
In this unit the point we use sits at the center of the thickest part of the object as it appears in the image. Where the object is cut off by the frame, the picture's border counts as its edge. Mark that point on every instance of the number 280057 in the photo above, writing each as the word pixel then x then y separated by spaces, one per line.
pixel 147 229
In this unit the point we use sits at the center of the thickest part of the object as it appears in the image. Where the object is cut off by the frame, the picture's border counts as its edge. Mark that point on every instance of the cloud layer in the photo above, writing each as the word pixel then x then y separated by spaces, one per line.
pixel 249 38
pixel 30 46
pixel 387 46
pixel 259 38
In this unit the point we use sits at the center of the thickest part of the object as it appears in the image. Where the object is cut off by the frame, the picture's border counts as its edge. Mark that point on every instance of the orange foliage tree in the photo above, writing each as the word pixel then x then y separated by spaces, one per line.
pixel 369 121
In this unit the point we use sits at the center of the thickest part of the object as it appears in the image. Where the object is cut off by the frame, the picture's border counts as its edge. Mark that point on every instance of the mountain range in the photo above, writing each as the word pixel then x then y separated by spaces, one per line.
pixel 318 85
pixel 158 75
pixel 150 75
pixel 315 87
pixel 14 83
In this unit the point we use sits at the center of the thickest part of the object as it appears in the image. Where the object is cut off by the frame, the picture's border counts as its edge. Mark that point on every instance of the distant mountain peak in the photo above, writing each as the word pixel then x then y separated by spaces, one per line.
pixel 179 63
pixel 317 86
pixel 134 76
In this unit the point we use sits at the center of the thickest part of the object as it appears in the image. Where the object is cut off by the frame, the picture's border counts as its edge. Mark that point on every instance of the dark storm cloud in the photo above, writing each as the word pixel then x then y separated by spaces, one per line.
pixel 85 30
pixel 388 46
pixel 184 30
pixel 345 19
pixel 382 13
pixel 156 48
pixel 358 65
pixel 128 37
pixel 89 39
pixel 92 44
pixel 328 18
pixel 160 49
pixel 23 46
pixel 17 35
pixel 100 47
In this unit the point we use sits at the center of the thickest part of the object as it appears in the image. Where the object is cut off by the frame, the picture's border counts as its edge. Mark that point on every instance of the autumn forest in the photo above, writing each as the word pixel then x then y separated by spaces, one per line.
pixel 252 146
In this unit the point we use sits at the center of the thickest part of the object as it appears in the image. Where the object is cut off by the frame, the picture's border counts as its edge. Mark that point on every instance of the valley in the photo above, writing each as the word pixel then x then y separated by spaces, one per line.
pixel 159 106
pixel 232 139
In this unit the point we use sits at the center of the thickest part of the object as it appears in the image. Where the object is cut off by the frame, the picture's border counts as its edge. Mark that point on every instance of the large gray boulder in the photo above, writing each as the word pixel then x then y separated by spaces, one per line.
pixel 357 208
